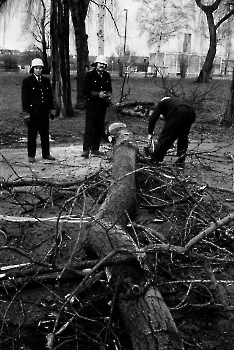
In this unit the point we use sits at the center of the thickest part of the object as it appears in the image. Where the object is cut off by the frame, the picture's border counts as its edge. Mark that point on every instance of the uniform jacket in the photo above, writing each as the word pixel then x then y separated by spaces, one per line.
pixel 36 98
pixel 93 84
pixel 166 108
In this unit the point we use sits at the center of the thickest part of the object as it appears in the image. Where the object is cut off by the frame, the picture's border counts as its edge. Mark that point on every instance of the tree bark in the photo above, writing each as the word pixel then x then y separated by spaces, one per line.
pixel 146 316
pixel 79 10
pixel 43 38
pixel 55 62
pixel 229 113
pixel 65 59
pixel 206 70
pixel 60 57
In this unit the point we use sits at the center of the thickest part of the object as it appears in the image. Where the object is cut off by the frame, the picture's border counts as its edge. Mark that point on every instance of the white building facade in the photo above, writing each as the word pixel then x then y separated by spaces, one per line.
pixel 190 47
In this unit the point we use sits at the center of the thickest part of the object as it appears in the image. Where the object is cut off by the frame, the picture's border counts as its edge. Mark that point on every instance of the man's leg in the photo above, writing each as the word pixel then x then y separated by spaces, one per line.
pixel 32 137
pixel 89 129
pixel 44 134
pixel 98 129
pixel 166 139
pixel 186 121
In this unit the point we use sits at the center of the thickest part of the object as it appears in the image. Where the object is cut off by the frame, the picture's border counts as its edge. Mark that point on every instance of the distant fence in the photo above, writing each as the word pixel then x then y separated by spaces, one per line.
pixel 169 63
pixel 13 70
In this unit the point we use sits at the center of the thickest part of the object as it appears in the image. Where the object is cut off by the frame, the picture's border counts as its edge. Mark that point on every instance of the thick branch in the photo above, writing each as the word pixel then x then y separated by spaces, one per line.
pixel 146 316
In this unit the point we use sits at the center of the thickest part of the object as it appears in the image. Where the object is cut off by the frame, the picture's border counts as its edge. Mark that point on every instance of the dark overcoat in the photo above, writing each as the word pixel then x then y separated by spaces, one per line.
pixel 93 85
pixel 36 97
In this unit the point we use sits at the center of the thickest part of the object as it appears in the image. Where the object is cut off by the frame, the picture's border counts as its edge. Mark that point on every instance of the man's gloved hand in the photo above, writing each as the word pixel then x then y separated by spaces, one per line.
pixel 27 120
pixel 149 150
pixel 108 96
pixel 105 95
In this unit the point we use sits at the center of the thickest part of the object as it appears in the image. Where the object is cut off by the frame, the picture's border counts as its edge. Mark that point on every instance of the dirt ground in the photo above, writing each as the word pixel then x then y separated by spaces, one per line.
pixel 214 143
pixel 71 188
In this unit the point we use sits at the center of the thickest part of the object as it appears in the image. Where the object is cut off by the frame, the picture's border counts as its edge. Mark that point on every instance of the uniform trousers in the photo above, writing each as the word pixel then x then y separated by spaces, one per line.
pixel 176 128
pixel 38 124
pixel 94 128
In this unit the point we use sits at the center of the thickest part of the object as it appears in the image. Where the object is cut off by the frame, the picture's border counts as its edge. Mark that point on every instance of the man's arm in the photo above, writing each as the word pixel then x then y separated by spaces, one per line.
pixel 89 93
pixel 51 98
pixel 106 95
pixel 153 119
pixel 87 89
pixel 25 100
pixel 109 88
pixel 25 96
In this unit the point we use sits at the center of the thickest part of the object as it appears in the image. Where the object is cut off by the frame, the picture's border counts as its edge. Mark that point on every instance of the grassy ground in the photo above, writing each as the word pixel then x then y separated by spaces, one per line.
pixel 210 101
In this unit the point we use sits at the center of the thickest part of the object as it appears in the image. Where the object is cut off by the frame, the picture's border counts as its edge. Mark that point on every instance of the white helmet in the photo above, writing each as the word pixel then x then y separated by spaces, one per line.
pixel 100 59
pixel 37 62
pixel 165 98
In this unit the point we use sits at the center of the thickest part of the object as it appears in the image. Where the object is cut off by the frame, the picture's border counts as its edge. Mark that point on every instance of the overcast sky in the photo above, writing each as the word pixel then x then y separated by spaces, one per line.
pixel 13 39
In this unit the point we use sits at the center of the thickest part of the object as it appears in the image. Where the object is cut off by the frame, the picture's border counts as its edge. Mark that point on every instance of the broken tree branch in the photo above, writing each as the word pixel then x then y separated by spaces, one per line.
pixel 146 316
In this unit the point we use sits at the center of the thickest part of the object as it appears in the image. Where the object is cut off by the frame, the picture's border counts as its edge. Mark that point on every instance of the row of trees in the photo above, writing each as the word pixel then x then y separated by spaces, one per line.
pixel 11 62
pixel 155 19
pixel 37 27
pixel 8 62
pixel 60 11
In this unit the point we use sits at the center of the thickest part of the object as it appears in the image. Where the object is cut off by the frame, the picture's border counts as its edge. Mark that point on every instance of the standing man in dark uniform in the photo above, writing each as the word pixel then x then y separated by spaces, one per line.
pixel 179 117
pixel 97 91
pixel 37 104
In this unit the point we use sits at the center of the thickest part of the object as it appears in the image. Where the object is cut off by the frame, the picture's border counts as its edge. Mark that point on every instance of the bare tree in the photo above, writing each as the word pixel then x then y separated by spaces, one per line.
pixel 161 20
pixel 225 35
pixel 60 49
pixel 60 57
pixel 79 9
pixel 37 26
pixel 226 11
pixel 228 47
pixel 126 57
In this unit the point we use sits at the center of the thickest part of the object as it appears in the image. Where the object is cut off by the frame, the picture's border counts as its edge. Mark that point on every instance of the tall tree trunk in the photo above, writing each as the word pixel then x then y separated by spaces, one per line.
pixel 205 72
pixel 64 57
pixel 228 117
pixel 43 39
pixel 44 52
pixel 55 61
pixel 145 314
pixel 79 10
pixel 60 57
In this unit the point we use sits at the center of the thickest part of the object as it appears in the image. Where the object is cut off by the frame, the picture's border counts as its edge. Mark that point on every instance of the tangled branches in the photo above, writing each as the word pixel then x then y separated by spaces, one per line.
pixel 55 293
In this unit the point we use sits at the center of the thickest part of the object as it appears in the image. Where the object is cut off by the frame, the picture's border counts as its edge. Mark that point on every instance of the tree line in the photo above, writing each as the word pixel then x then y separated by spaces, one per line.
pixel 155 19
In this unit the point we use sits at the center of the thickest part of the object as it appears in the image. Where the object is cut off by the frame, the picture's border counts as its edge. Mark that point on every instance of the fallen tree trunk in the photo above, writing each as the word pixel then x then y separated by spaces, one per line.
pixel 134 113
pixel 147 319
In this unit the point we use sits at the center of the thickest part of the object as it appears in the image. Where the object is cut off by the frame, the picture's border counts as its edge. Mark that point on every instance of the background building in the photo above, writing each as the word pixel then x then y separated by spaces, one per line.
pixel 188 49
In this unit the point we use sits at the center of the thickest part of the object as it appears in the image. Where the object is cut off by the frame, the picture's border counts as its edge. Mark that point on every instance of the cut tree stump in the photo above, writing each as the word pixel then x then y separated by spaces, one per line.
pixel 146 316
